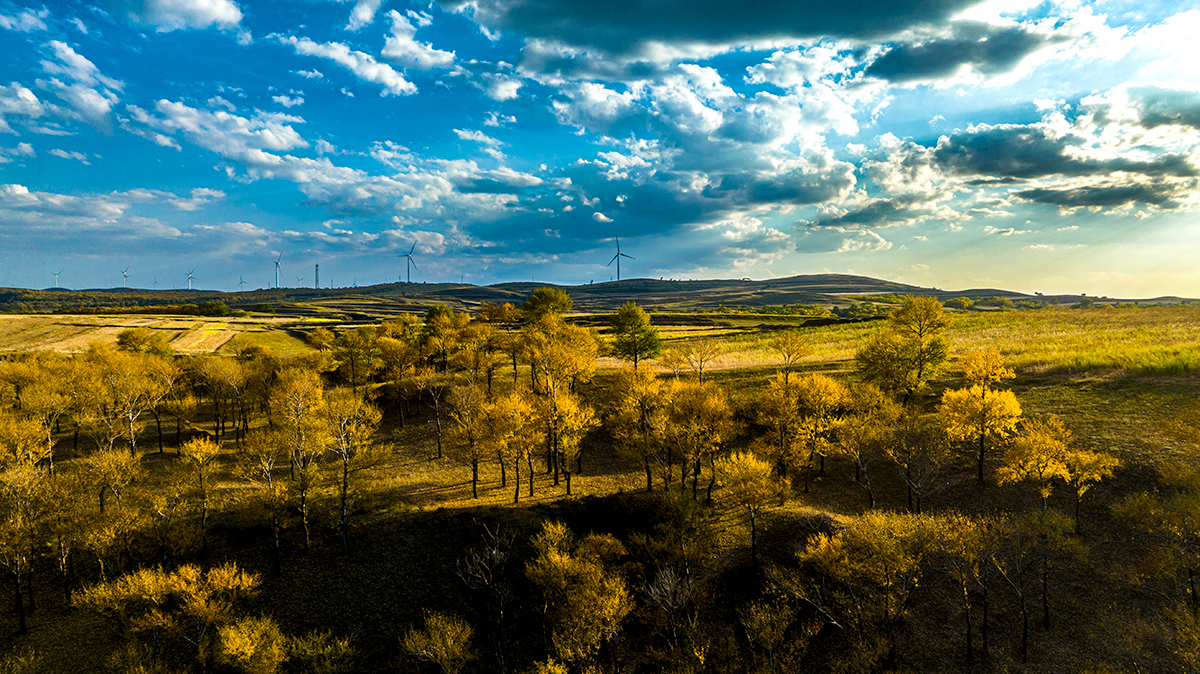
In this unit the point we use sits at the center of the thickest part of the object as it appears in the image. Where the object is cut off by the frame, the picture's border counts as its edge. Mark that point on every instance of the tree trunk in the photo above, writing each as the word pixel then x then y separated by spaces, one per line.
pixel 753 539
pixel 344 524
pixel 982 447
pixel 1046 592
pixel 503 471
pixel 20 605
pixel 517 480
pixel 649 476
pixel 567 474
pixel 529 469
pixel 474 478
pixel 967 610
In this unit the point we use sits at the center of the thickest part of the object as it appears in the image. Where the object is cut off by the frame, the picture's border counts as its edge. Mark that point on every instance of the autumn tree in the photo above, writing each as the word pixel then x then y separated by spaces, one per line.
pixel 700 353
pixel 468 430
pixel 969 544
pixel 298 409
pixel 979 415
pixel 265 451
pixel 509 420
pixel 561 356
pixel 434 388
pixel 873 565
pixel 200 453
pixel 22 488
pixel 639 421
pixel 444 640
pixel 144 340
pixel 920 449
pixel 187 602
pixel 700 422
pixel 636 339
pixel 822 403
pixel 350 421
pixel 253 645
pixel 792 347
pixel 749 484
pixel 864 432
pixel 779 410
pixel 357 352
pixel 902 358
pixel 586 599
pixel 1084 469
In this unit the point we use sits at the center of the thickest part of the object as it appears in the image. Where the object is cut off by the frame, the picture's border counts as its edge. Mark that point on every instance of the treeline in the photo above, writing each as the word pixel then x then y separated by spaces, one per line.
pixel 90 496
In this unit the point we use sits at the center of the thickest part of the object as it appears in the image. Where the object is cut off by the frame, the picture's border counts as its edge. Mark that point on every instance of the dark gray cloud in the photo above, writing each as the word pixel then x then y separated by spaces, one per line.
pixel 627 27
pixel 1164 194
pixel 1024 152
pixel 985 48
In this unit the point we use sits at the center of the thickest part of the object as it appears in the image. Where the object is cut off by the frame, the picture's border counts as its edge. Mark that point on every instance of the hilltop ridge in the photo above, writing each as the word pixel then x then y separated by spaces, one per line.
pixel 660 294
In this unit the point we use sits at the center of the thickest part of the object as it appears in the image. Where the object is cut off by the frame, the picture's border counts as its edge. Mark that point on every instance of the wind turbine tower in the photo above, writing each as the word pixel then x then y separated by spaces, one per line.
pixel 241 282
pixel 617 258
pixel 190 277
pixel 317 277
pixel 409 264
pixel 277 269
pixel 124 276
pixel 299 281
pixel 55 275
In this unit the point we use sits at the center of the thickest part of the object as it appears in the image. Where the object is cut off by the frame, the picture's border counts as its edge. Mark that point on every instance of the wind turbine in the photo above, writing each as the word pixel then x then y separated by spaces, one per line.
pixel 299 281
pixel 408 260
pixel 124 276
pixel 277 268
pixel 241 282
pixel 55 275
pixel 190 277
pixel 617 258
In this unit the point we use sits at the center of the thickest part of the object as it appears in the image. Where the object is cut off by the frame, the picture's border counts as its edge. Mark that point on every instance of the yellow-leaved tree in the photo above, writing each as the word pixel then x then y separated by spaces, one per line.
pixel 586 599
pixel 749 484
pixel 639 422
pixel 980 415
pixel 350 421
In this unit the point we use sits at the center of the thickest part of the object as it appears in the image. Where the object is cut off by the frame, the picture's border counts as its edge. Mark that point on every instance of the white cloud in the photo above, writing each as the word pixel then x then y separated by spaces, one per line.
pixel 402 48
pixel 16 100
pixel 1006 231
pixel 600 217
pixel 497 119
pixel 77 156
pixel 89 93
pixel 287 101
pixel 313 74
pixel 864 240
pixel 477 136
pixel 25 22
pixel 363 13
pixel 169 15
pixel 364 66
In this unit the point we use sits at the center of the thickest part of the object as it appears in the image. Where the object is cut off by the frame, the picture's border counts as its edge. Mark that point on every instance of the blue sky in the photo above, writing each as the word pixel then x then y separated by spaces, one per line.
pixel 1034 146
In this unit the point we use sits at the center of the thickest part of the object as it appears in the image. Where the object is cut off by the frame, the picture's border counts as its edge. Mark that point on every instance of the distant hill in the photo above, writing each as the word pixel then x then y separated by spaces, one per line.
pixel 664 295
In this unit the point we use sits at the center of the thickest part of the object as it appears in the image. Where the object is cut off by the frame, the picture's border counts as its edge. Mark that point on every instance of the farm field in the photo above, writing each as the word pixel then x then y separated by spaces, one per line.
pixel 1118 378
pixel 186 335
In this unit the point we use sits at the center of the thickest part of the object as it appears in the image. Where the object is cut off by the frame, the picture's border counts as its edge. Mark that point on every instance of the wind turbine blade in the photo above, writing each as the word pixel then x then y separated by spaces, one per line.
pixel 628 256
pixel 414 247
pixel 412 261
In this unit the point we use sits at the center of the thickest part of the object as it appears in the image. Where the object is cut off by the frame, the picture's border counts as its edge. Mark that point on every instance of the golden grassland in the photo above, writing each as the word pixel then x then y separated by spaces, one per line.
pixel 1114 375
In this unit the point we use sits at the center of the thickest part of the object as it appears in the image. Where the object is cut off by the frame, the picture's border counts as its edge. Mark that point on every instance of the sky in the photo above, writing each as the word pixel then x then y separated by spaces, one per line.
pixel 1033 146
